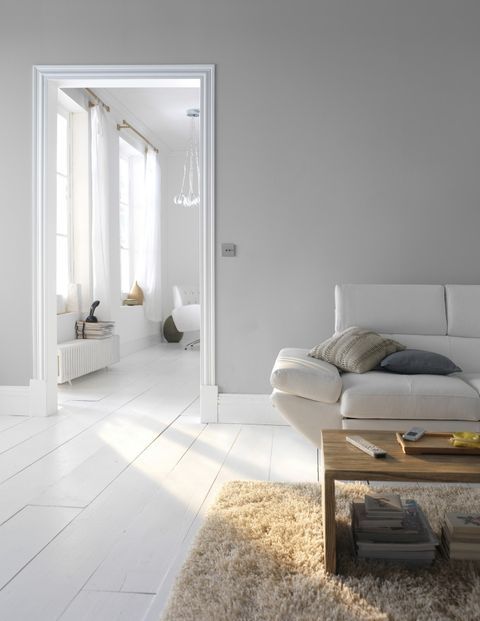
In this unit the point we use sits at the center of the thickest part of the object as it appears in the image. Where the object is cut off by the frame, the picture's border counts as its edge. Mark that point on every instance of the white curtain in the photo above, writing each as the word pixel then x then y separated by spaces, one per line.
pixel 101 165
pixel 150 272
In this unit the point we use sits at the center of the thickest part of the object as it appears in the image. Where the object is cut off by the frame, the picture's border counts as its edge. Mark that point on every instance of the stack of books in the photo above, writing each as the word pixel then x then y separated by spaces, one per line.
pixel 385 528
pixel 94 330
pixel 461 536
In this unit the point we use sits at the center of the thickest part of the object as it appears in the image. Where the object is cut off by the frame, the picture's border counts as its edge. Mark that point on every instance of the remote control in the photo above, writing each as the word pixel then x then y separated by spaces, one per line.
pixel 413 434
pixel 366 446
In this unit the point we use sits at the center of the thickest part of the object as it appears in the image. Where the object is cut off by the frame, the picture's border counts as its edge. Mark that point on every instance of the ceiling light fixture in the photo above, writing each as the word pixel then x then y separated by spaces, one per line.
pixel 189 195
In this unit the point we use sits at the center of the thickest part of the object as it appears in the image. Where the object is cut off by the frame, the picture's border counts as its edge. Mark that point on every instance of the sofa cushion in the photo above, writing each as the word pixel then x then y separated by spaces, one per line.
pixel 296 373
pixel 418 361
pixel 355 349
pixel 472 379
pixel 463 310
pixel 392 309
pixel 378 395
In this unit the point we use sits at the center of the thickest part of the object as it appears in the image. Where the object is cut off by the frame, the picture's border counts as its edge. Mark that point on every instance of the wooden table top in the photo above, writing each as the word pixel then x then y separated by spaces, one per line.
pixel 343 461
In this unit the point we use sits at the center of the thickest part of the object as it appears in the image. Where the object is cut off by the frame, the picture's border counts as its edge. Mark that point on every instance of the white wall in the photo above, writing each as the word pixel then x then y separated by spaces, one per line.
pixel 348 150
pixel 135 331
pixel 181 236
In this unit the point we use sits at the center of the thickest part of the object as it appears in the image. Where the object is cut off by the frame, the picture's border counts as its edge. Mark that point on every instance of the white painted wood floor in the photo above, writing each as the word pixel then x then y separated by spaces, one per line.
pixel 99 504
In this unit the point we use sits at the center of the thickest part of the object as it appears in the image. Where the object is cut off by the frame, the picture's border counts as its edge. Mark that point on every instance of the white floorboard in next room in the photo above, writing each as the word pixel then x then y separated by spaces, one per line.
pixel 100 503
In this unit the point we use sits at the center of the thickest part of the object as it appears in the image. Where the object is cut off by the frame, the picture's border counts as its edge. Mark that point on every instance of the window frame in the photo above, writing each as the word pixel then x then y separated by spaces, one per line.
pixel 132 154
pixel 67 115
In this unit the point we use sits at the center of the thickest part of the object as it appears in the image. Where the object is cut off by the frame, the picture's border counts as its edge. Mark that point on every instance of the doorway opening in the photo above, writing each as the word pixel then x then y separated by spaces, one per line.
pixel 130 247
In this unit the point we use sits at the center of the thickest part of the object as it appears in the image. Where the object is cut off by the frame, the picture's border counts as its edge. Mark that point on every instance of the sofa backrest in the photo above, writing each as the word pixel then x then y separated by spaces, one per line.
pixel 463 310
pixel 443 319
pixel 393 309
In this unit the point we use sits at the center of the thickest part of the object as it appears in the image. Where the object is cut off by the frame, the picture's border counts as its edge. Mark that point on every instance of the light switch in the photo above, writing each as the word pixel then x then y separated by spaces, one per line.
pixel 228 250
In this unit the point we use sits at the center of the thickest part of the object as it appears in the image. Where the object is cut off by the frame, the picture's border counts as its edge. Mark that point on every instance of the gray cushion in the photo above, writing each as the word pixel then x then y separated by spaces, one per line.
pixel 417 361
pixel 355 349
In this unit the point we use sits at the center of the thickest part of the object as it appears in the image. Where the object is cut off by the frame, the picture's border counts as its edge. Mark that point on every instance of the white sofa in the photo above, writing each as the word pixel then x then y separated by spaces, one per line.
pixel 312 395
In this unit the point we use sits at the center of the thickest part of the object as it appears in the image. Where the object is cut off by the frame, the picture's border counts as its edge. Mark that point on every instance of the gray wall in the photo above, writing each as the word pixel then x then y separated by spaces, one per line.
pixel 348 150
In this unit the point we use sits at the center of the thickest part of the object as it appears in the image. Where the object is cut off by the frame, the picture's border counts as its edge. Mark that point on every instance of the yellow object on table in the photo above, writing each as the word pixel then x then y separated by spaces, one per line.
pixel 465 438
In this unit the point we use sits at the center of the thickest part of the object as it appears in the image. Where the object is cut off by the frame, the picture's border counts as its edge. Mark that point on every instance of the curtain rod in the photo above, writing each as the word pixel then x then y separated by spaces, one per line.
pixel 102 103
pixel 126 125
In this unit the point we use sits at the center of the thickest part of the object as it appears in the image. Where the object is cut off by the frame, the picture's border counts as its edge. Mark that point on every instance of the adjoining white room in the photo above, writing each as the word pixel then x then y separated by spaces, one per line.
pixel 128 175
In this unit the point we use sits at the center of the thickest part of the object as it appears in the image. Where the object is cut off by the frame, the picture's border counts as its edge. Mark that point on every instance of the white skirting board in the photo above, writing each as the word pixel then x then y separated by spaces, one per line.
pixel 14 400
pixel 248 409
pixel 137 345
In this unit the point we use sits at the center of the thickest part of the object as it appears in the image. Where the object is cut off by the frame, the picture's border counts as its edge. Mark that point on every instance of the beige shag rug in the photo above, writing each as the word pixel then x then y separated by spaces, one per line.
pixel 259 557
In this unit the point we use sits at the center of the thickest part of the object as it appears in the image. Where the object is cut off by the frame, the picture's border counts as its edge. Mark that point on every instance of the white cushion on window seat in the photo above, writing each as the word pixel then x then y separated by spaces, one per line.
pixel 377 395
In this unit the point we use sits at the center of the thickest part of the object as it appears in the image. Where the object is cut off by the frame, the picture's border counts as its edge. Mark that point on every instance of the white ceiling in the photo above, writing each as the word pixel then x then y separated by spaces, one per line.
pixel 161 109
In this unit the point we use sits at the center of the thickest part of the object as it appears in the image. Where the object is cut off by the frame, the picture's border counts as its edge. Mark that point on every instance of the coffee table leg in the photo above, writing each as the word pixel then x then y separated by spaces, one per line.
pixel 329 525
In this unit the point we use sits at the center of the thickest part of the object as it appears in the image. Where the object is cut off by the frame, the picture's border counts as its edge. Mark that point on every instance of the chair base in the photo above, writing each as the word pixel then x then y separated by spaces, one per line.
pixel 190 345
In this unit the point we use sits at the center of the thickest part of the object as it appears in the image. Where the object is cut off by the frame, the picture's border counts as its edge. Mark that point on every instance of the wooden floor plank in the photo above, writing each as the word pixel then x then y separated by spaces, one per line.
pixel 57 574
pixel 26 534
pixel 122 438
pixel 192 412
pixel 132 374
pixel 27 485
pixel 29 451
pixel 7 421
pixel 79 469
pixel 16 434
pixel 104 606
pixel 140 558
pixel 248 459
pixel 294 459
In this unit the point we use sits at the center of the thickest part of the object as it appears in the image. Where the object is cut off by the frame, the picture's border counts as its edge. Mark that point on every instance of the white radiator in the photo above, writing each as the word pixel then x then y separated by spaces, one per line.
pixel 82 356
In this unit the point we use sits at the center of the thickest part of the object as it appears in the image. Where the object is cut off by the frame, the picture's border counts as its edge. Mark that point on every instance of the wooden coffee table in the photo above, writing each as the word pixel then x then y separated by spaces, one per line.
pixel 344 462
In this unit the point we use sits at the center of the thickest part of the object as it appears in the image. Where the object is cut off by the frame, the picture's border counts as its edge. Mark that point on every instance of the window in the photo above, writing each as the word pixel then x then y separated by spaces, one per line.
pixel 125 267
pixel 131 213
pixel 64 266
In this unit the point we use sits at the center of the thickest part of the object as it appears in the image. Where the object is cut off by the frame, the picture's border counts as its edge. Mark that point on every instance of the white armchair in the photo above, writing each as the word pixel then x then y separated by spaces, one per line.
pixel 186 311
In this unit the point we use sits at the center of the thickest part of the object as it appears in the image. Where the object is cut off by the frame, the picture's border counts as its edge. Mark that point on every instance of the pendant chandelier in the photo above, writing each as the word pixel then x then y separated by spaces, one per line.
pixel 189 195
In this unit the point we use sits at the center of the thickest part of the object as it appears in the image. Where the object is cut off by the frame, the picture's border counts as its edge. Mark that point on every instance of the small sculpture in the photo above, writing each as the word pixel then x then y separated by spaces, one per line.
pixel 170 331
pixel 136 293
pixel 91 317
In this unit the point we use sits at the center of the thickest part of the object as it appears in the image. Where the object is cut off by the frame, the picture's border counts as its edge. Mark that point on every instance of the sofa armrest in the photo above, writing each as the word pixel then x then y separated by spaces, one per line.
pixel 297 373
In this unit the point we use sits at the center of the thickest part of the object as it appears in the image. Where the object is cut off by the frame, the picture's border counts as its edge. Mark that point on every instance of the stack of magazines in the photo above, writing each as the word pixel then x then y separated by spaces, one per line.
pixel 94 330
pixel 385 528
pixel 461 536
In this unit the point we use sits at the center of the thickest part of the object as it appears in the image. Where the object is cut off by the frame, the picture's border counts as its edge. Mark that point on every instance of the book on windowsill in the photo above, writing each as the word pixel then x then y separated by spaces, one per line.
pixel 94 330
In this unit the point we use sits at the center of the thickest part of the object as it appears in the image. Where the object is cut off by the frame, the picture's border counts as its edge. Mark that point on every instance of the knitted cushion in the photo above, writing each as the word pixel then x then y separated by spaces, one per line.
pixel 356 350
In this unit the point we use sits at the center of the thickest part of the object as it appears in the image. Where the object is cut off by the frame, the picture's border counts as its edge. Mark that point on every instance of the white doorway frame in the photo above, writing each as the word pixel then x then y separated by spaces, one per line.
pixel 46 81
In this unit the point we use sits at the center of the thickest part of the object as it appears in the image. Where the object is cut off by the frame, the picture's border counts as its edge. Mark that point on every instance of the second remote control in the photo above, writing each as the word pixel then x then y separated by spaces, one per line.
pixel 366 446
